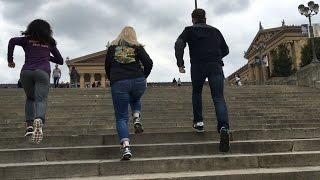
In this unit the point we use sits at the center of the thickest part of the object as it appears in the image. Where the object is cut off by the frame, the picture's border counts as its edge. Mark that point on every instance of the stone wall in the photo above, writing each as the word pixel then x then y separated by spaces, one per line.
pixel 309 75
pixel 291 80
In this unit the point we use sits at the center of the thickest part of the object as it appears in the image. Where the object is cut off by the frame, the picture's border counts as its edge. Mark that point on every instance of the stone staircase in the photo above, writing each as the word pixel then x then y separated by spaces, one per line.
pixel 275 135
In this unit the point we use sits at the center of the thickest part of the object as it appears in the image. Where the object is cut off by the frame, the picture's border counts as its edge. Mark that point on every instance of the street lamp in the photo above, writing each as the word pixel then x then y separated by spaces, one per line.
pixel 196 4
pixel 309 11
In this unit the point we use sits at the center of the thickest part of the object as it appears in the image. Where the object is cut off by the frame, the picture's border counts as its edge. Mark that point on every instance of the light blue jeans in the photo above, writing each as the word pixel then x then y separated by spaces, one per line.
pixel 126 92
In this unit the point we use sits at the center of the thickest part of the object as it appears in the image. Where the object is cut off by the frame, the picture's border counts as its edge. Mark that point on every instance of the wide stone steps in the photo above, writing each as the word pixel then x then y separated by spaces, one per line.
pixel 183 122
pixel 291 173
pixel 87 168
pixel 275 134
pixel 158 138
pixel 155 150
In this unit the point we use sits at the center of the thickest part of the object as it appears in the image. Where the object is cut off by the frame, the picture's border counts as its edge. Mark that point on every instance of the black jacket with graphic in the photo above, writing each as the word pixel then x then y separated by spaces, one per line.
pixel 206 44
pixel 127 62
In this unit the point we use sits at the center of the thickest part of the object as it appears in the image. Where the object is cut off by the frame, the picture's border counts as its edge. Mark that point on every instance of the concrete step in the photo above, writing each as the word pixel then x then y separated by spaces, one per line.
pixel 168 137
pixel 289 173
pixel 87 168
pixel 155 150
pixel 160 122
pixel 87 130
pixel 149 127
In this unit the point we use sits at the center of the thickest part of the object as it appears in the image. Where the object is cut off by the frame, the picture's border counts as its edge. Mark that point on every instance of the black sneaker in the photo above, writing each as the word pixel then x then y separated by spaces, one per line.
pixel 224 140
pixel 29 131
pixel 199 127
pixel 137 125
pixel 125 153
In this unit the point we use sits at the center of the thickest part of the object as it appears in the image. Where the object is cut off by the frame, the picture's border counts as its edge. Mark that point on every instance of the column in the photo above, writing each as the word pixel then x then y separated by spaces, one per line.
pixel 251 69
pixel 81 80
pixel 91 79
pixel 270 62
pixel 103 80
pixel 257 73
pixel 294 57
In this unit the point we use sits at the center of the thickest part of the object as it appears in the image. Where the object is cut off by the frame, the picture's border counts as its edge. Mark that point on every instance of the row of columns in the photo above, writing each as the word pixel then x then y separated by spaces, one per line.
pixel 92 79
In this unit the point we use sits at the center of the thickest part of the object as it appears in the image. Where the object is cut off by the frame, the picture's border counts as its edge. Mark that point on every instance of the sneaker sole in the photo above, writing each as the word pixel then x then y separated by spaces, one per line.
pixel 37 135
pixel 126 157
pixel 199 130
pixel 224 142
pixel 28 134
pixel 138 128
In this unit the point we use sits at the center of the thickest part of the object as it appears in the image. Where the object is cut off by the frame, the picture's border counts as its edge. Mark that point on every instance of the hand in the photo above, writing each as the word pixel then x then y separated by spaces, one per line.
pixel 12 65
pixel 182 70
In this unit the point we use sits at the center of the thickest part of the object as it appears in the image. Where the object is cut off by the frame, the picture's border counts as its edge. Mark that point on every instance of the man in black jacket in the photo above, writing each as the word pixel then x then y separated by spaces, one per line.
pixel 207 47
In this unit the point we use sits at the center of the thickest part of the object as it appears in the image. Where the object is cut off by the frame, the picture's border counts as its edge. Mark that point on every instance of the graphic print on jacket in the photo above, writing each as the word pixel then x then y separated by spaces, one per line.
pixel 125 54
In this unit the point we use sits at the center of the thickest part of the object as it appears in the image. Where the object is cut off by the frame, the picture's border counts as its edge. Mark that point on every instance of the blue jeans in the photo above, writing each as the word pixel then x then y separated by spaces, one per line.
pixel 213 71
pixel 56 81
pixel 36 87
pixel 126 92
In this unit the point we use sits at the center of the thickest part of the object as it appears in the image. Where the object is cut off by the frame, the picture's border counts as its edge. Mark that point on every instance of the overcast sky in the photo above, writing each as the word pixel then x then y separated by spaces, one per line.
pixel 84 27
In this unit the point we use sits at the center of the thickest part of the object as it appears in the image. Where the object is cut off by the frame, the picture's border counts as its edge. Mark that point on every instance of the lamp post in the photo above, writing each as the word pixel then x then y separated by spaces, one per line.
pixel 196 4
pixel 309 11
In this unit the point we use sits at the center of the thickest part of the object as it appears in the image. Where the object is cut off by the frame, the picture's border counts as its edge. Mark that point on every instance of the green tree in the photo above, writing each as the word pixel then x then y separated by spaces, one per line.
pixel 306 52
pixel 282 62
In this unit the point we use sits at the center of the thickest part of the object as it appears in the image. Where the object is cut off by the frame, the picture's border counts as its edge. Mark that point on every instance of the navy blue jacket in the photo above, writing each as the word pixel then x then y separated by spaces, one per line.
pixel 206 44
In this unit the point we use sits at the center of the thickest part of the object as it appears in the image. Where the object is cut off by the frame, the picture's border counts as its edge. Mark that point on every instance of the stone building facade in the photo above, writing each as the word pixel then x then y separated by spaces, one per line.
pixel 260 66
pixel 90 68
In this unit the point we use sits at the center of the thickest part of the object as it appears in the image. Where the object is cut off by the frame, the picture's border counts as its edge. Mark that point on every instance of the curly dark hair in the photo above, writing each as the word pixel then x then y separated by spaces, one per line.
pixel 40 30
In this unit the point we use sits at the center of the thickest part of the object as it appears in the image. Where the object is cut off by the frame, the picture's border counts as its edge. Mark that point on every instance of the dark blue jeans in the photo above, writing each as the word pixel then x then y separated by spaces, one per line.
pixel 56 81
pixel 214 73
pixel 126 92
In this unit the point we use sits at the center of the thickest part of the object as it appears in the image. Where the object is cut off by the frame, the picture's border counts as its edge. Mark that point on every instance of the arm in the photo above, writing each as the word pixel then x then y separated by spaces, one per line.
pixel 109 58
pixel 59 72
pixel 20 41
pixel 223 46
pixel 56 58
pixel 179 48
pixel 145 60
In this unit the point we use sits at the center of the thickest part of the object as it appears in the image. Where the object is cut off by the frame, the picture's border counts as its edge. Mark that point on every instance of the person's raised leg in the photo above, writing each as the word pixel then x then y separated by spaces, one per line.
pixel 42 83
pixel 198 78
pixel 216 82
pixel 28 87
pixel 120 97
pixel 138 88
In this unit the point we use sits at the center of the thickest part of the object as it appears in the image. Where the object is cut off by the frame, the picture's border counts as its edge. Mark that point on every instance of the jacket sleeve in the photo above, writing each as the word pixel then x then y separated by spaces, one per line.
pixel 109 58
pixel 19 41
pixel 145 60
pixel 179 47
pixel 223 46
pixel 56 58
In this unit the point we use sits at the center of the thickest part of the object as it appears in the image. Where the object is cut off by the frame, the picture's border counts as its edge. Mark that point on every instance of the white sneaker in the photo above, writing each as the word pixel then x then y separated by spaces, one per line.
pixel 37 135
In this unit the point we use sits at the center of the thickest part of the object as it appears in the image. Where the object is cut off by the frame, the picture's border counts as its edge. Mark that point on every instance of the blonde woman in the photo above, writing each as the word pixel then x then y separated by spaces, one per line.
pixel 127 66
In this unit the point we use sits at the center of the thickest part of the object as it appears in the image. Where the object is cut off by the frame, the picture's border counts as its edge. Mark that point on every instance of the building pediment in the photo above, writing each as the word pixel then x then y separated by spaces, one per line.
pixel 267 36
pixel 94 58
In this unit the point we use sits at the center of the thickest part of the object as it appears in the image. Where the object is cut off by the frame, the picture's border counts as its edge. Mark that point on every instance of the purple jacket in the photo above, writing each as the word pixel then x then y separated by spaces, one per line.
pixel 37 56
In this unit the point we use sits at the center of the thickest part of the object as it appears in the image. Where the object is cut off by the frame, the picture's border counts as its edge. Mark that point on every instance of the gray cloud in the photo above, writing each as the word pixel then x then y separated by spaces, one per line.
pixel 83 27
pixel 19 11
pixel 223 7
